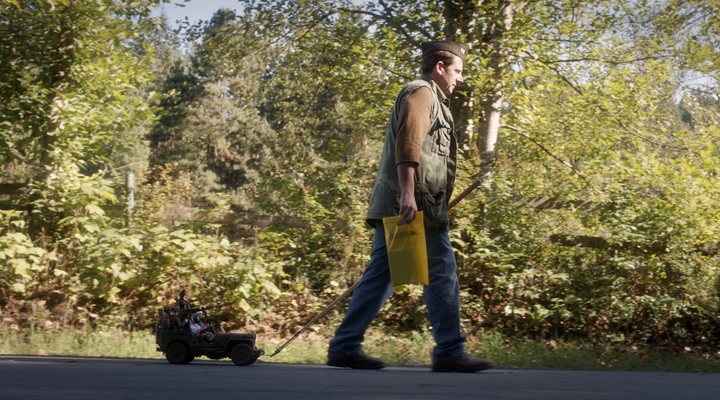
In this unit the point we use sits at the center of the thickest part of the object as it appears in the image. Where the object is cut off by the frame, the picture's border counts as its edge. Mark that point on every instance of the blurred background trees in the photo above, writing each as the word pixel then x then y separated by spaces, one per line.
pixel 255 137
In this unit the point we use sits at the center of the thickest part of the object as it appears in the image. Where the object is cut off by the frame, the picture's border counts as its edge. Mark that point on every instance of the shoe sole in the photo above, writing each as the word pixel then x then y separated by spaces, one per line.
pixel 354 366
pixel 449 368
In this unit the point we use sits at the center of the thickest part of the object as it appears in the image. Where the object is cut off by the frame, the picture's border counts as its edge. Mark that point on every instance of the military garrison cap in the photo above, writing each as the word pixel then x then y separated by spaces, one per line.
pixel 452 46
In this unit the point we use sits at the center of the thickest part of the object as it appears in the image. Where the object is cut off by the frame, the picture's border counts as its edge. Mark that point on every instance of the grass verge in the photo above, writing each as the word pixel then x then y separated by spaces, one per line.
pixel 110 342
pixel 410 349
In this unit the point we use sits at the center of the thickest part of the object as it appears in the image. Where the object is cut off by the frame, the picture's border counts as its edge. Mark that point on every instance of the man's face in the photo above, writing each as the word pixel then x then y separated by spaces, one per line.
pixel 448 76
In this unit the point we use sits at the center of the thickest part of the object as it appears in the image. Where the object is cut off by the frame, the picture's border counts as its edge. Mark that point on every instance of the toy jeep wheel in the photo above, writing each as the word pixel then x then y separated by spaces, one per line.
pixel 242 354
pixel 178 353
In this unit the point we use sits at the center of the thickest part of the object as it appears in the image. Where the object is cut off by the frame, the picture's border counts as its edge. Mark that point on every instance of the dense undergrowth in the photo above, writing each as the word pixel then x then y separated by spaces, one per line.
pixel 252 175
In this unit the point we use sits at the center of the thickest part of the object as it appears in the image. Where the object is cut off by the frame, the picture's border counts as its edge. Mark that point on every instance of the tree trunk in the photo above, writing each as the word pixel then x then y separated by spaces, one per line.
pixel 493 100
pixel 460 20
pixel 61 59
pixel 482 25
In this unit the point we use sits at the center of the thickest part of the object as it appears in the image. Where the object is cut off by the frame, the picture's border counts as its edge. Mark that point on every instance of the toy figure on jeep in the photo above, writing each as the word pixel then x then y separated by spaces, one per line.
pixel 182 334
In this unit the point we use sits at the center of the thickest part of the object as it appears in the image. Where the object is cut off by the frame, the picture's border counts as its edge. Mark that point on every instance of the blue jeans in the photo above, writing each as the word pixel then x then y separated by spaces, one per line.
pixel 442 297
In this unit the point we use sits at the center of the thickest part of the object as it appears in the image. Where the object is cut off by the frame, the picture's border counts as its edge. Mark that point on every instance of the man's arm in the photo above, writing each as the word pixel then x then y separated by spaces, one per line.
pixel 408 205
pixel 413 124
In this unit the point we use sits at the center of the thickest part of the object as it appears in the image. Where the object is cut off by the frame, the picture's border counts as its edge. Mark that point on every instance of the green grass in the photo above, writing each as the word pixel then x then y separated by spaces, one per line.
pixel 89 343
pixel 525 353
pixel 410 349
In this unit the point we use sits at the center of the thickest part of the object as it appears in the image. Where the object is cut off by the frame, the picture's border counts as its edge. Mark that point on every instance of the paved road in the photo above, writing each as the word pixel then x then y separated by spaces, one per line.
pixel 60 378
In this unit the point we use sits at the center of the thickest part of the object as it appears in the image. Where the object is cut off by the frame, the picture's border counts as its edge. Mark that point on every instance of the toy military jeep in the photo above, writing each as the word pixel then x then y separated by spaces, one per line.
pixel 182 334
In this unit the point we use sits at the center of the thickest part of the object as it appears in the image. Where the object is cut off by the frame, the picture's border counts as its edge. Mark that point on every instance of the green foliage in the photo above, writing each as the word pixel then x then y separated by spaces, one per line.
pixel 279 113
pixel 72 82
pixel 634 172
pixel 90 103
pixel 18 254
pixel 96 264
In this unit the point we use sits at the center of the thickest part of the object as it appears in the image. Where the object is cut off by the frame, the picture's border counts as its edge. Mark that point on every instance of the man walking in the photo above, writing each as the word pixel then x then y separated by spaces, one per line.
pixel 417 172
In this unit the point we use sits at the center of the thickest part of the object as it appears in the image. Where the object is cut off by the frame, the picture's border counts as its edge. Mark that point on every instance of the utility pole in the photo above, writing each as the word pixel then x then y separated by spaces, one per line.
pixel 130 181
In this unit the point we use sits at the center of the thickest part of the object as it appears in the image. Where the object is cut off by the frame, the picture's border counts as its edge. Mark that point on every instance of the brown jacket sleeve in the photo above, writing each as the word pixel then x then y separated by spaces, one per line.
pixel 413 124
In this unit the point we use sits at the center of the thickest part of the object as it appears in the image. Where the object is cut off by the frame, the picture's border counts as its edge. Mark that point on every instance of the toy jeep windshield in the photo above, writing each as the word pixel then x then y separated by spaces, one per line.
pixel 182 333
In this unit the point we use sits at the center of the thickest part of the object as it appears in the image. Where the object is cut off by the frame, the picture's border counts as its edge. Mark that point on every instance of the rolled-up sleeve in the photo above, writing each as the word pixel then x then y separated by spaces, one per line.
pixel 413 125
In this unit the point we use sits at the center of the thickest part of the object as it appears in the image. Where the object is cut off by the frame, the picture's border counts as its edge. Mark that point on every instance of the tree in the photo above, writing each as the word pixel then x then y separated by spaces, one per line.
pixel 73 99
pixel 579 86
pixel 57 60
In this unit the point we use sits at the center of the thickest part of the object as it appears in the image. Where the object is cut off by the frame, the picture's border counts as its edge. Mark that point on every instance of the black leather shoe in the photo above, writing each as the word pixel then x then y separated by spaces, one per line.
pixel 463 363
pixel 356 361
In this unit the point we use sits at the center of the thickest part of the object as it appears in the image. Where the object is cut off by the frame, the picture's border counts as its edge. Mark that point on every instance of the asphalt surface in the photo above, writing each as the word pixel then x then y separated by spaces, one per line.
pixel 59 378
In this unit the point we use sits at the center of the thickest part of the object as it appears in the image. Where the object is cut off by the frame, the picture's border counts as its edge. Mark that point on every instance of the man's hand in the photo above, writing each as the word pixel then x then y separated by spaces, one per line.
pixel 408 205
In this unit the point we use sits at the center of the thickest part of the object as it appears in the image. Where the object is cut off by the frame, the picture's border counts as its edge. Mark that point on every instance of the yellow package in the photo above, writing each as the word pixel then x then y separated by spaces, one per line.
pixel 407 251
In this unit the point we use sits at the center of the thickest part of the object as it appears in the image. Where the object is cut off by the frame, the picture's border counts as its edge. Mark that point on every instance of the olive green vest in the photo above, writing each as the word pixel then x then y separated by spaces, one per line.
pixel 434 177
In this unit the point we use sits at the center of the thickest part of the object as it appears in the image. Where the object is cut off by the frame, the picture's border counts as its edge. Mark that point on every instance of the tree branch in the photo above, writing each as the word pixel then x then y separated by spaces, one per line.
pixel 563 77
pixel 611 115
pixel 414 25
pixel 610 62
pixel 548 152
pixel 390 20
pixel 315 23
